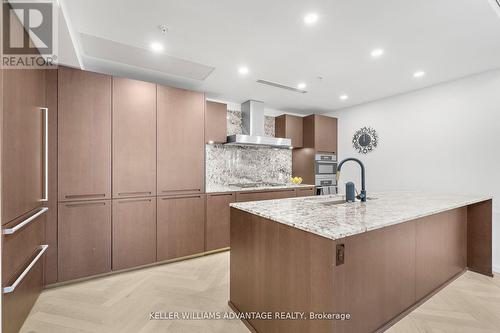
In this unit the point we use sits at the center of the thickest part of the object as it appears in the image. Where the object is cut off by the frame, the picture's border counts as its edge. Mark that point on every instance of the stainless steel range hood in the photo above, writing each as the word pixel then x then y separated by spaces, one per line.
pixel 253 129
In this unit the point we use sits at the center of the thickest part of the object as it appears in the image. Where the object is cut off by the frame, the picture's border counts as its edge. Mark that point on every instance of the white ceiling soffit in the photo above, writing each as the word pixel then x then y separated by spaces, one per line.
pixel 134 56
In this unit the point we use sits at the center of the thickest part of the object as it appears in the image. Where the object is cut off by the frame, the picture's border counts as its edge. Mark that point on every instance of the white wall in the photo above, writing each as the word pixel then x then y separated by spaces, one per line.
pixel 441 139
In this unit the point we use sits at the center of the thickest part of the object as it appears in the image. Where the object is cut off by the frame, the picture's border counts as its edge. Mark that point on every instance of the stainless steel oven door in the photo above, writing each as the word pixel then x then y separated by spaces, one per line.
pixel 325 168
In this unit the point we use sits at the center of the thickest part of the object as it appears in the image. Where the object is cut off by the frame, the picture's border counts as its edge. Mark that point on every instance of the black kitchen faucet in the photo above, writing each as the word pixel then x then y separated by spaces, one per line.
pixel 362 195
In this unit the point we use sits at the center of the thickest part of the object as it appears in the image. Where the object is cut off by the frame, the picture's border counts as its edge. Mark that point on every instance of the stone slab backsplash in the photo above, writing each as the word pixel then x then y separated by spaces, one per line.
pixel 235 123
pixel 226 165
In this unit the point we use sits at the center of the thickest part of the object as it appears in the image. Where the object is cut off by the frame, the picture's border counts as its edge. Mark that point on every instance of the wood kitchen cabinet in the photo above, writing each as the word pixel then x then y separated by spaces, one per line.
pixel 134 232
pixel 134 138
pixel 180 226
pixel 180 126
pixel 84 135
pixel 84 238
pixel 320 133
pixel 215 122
pixel 264 195
pixel 22 141
pixel 305 192
pixel 218 220
pixel 288 126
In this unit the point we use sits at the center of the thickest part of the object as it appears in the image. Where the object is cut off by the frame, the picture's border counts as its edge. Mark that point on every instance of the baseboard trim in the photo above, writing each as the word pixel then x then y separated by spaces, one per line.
pixel 164 262
pixel 246 322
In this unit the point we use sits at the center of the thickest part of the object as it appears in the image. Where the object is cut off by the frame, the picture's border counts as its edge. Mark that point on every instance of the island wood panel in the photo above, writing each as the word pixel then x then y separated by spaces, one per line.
pixel 441 245
pixel 181 141
pixel 218 220
pixel 215 122
pixel 264 195
pixel 134 232
pixel 22 141
pixel 84 239
pixel 134 138
pixel 377 280
pixel 50 266
pixel 84 135
pixel 385 271
pixel 479 237
pixel 277 268
pixel 180 226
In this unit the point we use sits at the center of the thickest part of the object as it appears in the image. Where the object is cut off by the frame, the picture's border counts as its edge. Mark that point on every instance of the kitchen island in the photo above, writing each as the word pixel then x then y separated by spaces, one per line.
pixel 365 265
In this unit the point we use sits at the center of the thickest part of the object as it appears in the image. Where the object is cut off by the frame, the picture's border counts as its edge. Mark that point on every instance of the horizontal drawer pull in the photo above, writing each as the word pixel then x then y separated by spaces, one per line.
pixel 80 196
pixel 221 195
pixel 10 231
pixel 134 200
pixel 20 278
pixel 188 190
pixel 129 193
pixel 183 197
pixel 86 204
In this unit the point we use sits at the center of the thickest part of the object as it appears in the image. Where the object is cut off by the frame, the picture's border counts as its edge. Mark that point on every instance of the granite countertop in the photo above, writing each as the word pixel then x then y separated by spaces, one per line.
pixel 314 215
pixel 231 188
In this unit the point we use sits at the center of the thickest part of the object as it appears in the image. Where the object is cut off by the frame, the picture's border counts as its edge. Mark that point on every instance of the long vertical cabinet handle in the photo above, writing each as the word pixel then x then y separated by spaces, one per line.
pixel 45 197
pixel 20 278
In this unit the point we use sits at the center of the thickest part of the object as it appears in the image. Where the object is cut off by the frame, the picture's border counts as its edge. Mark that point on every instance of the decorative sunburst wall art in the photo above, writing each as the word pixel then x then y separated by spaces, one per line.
pixel 365 140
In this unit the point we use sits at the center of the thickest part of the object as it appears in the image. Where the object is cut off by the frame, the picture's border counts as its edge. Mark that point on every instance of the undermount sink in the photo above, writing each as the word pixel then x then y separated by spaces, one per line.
pixel 342 201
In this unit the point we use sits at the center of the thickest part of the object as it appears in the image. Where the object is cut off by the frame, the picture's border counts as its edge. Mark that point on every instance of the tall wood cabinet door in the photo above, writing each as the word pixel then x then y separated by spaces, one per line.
pixel 180 226
pixel 134 232
pixel 22 141
pixel 215 122
pixel 180 141
pixel 218 220
pixel 288 126
pixel 134 138
pixel 325 134
pixel 84 239
pixel 84 135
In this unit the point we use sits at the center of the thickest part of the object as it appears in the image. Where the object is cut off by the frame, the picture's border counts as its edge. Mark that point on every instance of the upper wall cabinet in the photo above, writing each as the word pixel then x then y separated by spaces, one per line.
pixel 180 142
pixel 320 133
pixel 22 141
pixel 215 122
pixel 84 135
pixel 288 126
pixel 134 138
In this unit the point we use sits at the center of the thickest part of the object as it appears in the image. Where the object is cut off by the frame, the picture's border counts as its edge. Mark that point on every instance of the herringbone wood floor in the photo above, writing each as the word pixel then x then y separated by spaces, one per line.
pixel 122 302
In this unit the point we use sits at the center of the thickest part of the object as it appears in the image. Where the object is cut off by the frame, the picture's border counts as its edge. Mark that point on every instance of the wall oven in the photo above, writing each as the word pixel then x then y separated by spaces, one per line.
pixel 325 173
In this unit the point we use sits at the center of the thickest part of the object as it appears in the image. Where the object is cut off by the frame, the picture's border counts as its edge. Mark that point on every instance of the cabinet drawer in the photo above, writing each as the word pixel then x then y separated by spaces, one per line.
pixel 218 220
pixel 305 192
pixel 84 240
pixel 19 246
pixel 134 232
pixel 18 303
pixel 264 195
pixel 180 226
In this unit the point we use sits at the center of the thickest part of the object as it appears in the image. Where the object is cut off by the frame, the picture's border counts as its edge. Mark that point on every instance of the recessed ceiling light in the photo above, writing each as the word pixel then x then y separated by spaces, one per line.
pixel 243 70
pixel 344 97
pixel 156 47
pixel 311 18
pixel 301 85
pixel 377 53
pixel 419 74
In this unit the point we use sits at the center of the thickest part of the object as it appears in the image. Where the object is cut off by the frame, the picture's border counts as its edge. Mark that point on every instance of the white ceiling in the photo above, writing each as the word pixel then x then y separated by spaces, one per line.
pixel 447 39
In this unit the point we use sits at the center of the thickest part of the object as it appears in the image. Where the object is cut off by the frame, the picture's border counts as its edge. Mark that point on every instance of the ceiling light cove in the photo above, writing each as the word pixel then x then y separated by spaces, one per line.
pixel 418 74
pixel 243 70
pixel 301 85
pixel 376 53
pixel 311 18
pixel 156 47
pixel 344 97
